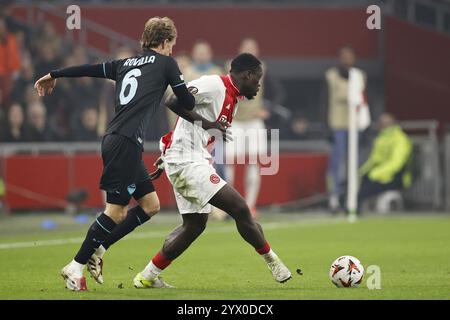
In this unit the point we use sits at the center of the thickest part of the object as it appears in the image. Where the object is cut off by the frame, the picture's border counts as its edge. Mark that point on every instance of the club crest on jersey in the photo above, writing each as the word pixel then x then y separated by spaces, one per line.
pixel 214 178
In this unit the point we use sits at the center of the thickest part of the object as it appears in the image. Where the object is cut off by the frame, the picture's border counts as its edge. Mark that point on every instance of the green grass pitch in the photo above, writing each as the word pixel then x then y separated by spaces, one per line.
pixel 413 253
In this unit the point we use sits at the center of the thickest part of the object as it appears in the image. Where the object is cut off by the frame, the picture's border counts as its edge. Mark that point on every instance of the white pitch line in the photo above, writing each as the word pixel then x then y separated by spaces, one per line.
pixel 157 234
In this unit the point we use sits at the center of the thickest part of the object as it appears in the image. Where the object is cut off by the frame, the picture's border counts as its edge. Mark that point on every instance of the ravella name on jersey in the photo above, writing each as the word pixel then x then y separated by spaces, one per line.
pixel 133 62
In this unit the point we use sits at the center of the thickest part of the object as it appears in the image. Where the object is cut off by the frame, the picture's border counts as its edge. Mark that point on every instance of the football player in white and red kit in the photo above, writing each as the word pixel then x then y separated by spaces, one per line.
pixel 188 165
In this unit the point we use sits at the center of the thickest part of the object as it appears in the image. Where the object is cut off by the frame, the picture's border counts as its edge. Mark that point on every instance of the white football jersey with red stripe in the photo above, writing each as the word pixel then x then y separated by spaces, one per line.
pixel 215 99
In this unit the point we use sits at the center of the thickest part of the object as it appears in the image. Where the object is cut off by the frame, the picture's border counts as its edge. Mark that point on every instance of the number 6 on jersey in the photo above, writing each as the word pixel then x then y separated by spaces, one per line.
pixel 129 80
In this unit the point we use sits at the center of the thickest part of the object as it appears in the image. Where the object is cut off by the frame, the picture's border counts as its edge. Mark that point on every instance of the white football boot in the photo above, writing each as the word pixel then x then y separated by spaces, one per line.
pixel 74 281
pixel 140 282
pixel 279 271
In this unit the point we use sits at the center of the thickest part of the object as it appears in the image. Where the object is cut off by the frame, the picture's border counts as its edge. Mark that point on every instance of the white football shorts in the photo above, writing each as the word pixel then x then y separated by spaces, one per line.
pixel 194 184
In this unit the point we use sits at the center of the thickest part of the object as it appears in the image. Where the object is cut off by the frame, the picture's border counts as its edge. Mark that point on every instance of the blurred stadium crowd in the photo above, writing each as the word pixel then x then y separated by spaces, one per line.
pixel 63 116
pixel 80 109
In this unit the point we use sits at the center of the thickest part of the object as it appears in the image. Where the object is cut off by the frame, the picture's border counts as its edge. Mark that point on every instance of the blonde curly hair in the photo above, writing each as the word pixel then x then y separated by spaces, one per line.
pixel 157 30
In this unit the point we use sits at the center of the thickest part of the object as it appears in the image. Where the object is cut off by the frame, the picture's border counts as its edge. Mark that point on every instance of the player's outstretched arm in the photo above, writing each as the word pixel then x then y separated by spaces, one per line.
pixel 47 83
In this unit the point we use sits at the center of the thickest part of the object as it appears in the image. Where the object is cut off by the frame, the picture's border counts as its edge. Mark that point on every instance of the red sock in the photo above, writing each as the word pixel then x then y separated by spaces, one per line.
pixel 160 261
pixel 264 249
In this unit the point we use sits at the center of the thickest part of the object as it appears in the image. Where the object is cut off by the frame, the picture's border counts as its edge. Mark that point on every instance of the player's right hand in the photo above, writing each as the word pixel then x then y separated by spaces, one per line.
pixel 44 85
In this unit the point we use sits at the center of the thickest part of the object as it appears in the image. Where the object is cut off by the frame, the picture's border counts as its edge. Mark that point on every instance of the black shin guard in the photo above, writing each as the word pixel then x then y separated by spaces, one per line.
pixel 135 217
pixel 99 231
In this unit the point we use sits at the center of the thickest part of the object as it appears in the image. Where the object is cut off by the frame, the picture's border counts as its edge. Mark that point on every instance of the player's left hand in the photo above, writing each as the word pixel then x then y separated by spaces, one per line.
pixel 44 85
pixel 159 164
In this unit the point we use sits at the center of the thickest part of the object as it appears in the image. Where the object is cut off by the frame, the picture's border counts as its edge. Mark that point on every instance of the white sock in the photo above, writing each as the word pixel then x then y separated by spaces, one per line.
pixel 76 267
pixel 100 251
pixel 151 271
pixel 252 184
pixel 270 256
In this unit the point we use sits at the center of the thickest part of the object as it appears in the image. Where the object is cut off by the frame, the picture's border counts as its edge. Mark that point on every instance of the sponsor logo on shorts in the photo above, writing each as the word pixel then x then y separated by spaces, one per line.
pixel 131 188
pixel 214 178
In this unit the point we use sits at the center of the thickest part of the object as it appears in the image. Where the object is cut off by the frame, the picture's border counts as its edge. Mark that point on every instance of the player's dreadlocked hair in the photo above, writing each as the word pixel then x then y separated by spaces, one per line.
pixel 245 62
pixel 157 30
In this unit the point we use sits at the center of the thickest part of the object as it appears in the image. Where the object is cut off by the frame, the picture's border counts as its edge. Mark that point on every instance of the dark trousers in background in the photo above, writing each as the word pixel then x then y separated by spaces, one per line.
pixel 369 189
pixel 338 161
pixel 5 90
